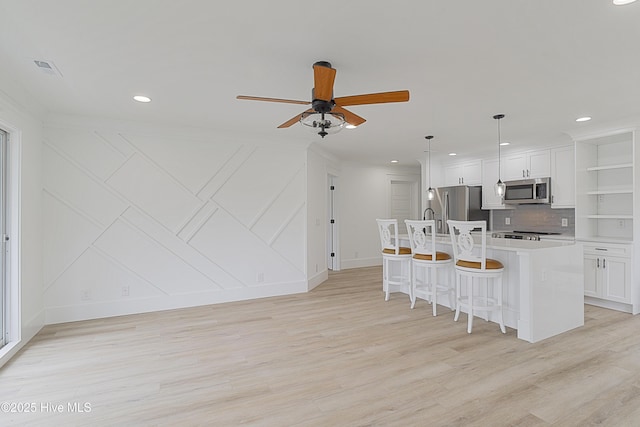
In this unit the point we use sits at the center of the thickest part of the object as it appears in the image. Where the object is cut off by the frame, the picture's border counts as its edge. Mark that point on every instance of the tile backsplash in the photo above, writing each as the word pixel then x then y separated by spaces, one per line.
pixel 537 218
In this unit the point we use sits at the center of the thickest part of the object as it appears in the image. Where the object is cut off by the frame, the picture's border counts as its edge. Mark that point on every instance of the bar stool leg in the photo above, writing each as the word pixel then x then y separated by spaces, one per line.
pixel 433 271
pixel 455 318
pixel 500 319
pixel 412 293
pixel 386 279
pixel 470 312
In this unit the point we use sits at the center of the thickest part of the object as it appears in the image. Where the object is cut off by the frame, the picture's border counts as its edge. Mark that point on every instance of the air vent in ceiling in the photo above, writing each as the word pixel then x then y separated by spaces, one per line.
pixel 47 67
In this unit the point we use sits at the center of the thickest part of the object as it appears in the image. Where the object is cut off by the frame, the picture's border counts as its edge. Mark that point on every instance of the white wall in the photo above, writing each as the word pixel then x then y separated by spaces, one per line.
pixel 26 148
pixel 363 197
pixel 173 219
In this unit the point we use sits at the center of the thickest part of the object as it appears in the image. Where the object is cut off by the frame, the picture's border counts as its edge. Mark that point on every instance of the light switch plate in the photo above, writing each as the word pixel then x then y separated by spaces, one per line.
pixel 507 221
pixel 565 222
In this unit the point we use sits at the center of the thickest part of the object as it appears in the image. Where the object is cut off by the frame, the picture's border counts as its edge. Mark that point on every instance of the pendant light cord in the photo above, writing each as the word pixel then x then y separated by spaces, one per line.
pixel 499 157
pixel 498 117
pixel 429 145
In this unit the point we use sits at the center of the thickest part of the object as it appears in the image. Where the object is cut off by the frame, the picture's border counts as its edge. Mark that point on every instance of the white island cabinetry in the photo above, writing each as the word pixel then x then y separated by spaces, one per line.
pixel 543 285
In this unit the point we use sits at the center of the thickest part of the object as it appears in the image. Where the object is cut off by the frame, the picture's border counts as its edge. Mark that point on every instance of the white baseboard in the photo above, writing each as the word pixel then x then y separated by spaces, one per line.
pixel 612 305
pixel 102 309
pixel 316 280
pixel 346 264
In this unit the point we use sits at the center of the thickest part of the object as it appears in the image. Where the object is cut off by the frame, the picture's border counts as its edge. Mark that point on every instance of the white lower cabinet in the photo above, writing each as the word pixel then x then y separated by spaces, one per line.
pixel 607 272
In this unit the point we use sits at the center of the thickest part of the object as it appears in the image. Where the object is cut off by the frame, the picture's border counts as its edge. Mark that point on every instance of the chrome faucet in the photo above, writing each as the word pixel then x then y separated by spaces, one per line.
pixel 424 214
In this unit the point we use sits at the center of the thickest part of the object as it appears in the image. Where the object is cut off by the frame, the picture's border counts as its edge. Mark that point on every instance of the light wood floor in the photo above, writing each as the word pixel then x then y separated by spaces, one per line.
pixel 337 356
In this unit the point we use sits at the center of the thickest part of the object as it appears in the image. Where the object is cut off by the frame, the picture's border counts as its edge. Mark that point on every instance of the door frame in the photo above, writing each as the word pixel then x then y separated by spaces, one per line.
pixel 12 308
pixel 333 235
pixel 414 180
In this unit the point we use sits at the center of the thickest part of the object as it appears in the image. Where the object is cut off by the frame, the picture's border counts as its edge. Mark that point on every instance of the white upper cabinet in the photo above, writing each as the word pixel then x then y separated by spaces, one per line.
pixel 532 164
pixel 563 177
pixel 469 173
pixel 489 179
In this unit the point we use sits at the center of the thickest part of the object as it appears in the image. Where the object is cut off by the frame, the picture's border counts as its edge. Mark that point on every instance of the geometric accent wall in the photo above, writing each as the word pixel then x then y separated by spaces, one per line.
pixel 135 223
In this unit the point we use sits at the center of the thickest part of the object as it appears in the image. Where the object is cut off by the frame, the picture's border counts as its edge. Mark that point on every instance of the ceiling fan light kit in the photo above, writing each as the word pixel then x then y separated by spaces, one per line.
pixel 327 114
pixel 324 124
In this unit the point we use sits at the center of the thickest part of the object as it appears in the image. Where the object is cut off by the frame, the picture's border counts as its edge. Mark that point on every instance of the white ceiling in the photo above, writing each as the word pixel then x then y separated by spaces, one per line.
pixel 543 63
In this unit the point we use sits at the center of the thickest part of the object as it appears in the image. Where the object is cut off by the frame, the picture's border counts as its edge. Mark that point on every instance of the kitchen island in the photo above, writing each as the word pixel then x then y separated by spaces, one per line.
pixel 543 284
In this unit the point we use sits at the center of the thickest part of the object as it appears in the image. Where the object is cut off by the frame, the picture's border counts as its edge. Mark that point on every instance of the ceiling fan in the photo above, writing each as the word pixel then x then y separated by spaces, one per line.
pixel 327 114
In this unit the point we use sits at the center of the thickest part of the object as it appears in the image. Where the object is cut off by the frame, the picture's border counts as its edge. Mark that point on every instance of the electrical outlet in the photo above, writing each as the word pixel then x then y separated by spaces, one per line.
pixel 355 254
pixel 507 221
pixel 260 277
pixel 125 291
pixel 565 222
pixel 621 223
pixel 85 295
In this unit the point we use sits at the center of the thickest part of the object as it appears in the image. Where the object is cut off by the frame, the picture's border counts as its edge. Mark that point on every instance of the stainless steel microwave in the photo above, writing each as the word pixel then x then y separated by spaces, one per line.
pixel 525 191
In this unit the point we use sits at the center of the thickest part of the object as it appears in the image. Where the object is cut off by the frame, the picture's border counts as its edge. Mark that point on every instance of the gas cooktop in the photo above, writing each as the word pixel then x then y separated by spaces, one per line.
pixel 522 235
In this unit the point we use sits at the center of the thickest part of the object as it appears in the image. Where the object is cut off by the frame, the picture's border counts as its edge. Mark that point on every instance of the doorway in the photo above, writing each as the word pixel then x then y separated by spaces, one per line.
pixel 404 198
pixel 333 259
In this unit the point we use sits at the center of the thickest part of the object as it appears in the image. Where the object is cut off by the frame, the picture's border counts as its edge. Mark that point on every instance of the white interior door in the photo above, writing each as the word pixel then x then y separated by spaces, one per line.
pixel 403 200
pixel 332 229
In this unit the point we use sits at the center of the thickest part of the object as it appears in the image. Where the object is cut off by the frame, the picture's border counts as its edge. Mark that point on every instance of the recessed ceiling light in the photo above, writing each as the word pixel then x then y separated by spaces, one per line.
pixel 505 143
pixel 394 161
pixel 142 98
pixel 583 119
pixel 622 2
pixel 351 126
pixel 452 154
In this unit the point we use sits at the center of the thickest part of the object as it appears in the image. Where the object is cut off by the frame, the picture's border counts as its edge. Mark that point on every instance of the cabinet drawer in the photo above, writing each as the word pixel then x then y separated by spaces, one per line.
pixel 608 250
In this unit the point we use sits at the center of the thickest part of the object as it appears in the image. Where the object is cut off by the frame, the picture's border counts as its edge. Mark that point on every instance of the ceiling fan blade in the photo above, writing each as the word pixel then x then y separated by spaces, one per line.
pixel 374 98
pixel 349 117
pixel 259 98
pixel 294 120
pixel 323 78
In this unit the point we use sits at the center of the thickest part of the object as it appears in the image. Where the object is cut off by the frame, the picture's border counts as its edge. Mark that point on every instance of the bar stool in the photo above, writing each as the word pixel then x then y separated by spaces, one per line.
pixel 480 268
pixel 422 237
pixel 396 260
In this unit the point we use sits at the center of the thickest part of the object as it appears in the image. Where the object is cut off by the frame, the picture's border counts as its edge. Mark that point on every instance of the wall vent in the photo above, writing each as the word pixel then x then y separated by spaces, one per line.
pixel 47 67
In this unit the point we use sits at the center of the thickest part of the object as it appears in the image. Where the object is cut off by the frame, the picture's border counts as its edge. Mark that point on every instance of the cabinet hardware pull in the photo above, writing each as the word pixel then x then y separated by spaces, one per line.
pixel 597 262
pixel 601 249
pixel 603 263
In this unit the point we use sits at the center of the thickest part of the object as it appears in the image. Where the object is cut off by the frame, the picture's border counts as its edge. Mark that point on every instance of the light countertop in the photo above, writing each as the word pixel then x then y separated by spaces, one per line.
pixel 505 244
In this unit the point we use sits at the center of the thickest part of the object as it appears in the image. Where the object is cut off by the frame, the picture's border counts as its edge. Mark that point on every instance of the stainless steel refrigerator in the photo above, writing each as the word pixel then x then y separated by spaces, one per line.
pixel 462 203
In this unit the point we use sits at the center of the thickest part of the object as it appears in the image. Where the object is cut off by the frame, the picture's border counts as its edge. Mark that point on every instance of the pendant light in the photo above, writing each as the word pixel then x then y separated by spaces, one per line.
pixel 430 192
pixel 499 187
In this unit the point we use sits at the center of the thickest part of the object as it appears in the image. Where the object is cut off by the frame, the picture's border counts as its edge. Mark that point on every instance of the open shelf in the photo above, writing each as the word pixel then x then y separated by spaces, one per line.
pixel 605 177
pixel 602 192
pixel 609 167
